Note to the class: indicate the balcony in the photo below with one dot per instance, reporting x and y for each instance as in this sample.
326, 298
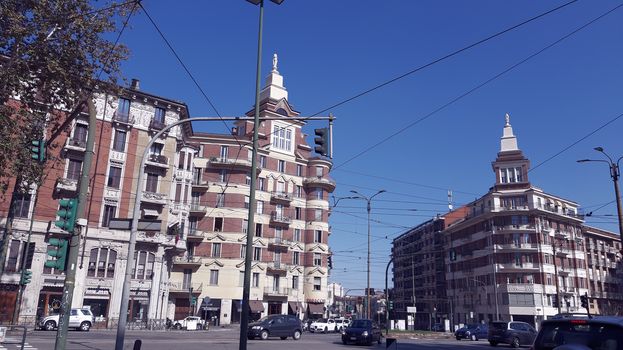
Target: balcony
76, 145
276, 292
194, 235
563, 252
318, 181
517, 246
197, 209
279, 219
123, 119
187, 261
561, 234
281, 197
513, 208
157, 125
154, 198
277, 267
522, 266
158, 160
279, 242
65, 184
185, 287
229, 163
563, 271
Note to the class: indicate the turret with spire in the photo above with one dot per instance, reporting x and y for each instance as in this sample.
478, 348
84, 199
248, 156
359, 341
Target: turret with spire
510, 166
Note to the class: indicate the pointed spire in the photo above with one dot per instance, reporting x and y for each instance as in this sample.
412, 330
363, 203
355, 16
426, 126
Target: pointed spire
509, 140
274, 88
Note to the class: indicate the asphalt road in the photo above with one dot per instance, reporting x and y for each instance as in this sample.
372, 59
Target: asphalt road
225, 339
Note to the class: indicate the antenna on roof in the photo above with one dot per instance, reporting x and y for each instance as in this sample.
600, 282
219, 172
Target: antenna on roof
450, 206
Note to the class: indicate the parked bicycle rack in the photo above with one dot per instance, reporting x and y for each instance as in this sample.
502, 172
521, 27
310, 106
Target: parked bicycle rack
9, 334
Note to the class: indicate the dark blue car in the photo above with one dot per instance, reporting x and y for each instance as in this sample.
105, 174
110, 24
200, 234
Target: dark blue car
472, 331
361, 331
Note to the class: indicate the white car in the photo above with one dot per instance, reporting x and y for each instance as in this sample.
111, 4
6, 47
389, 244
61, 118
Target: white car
323, 325
80, 319
183, 323
341, 323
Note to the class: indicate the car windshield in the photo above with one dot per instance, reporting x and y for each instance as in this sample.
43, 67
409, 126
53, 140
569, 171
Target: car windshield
263, 319
595, 336
360, 324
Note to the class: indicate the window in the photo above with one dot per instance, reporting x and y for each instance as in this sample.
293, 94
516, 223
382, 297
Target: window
159, 115
517, 259
258, 230
123, 110
114, 177
245, 225
281, 166
318, 216
317, 259
181, 160
216, 250
317, 283
261, 183
178, 192
222, 176
297, 234
109, 213
151, 184
255, 281
119, 141
318, 192
224, 152
319, 171
156, 149
511, 175
246, 202
74, 169
144, 265
297, 213
278, 232
318, 236
13, 256
102, 263
299, 170
257, 253
298, 192
189, 161
214, 277
259, 207
241, 279
80, 132
262, 161
296, 258
218, 224
220, 200
295, 282
243, 251
21, 204
282, 138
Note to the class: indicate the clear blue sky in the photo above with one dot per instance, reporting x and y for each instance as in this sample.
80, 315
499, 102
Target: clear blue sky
331, 50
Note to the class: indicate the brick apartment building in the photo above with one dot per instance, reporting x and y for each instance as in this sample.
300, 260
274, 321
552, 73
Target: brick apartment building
504, 252
198, 185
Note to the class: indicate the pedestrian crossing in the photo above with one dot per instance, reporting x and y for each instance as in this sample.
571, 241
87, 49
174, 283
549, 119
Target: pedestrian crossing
11, 343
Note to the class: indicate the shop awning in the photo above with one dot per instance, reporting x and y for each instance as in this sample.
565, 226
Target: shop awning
295, 306
256, 306
315, 309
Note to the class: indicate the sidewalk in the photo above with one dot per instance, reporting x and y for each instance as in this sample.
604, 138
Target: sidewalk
419, 335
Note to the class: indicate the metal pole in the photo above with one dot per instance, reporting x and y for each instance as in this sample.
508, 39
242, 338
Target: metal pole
614, 173
413, 287
368, 284
495, 276
558, 301
74, 243
387, 295
244, 318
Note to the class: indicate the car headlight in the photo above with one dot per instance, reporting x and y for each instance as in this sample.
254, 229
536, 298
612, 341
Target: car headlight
343, 331
256, 327
467, 333
364, 334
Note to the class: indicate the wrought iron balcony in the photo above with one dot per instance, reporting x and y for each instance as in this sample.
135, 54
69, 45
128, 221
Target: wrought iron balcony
123, 118
76, 144
185, 287
276, 292
279, 218
155, 197
277, 267
279, 242
195, 235
157, 124
187, 261
158, 160
280, 196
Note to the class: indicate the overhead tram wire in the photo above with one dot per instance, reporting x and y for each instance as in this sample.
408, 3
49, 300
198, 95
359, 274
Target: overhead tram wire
437, 60
478, 87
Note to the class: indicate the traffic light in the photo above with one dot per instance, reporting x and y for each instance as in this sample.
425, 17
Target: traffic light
584, 301
59, 253
391, 305
67, 214
322, 141
554, 300
330, 262
26, 277
37, 150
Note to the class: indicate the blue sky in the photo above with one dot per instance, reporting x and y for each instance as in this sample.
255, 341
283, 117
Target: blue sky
332, 50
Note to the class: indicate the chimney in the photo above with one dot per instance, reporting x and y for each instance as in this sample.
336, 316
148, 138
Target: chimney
135, 84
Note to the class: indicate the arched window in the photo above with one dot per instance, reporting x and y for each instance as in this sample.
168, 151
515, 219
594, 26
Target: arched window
102, 263
143, 265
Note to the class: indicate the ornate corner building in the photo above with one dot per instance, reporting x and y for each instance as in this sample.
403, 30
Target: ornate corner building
197, 186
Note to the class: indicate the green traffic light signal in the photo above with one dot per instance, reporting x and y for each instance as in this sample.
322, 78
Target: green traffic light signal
37, 150
322, 141
60, 254
67, 214
26, 277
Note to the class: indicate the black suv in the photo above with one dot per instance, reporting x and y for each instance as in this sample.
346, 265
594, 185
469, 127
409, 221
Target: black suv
282, 326
597, 333
514, 333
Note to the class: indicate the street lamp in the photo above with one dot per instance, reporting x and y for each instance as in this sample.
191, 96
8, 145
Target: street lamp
368, 200
244, 318
614, 174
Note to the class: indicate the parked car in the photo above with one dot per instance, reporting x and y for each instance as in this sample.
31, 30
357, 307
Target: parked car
183, 323
80, 319
282, 326
597, 333
513, 333
323, 325
362, 331
472, 331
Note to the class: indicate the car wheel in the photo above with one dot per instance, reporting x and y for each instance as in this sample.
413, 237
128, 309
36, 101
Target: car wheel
297, 335
515, 342
178, 326
264, 335
85, 326
50, 325
493, 343
458, 338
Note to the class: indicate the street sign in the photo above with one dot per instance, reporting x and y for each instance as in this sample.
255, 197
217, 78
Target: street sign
411, 309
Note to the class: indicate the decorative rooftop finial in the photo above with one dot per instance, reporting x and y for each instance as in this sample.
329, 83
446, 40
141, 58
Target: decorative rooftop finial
508, 119
275, 61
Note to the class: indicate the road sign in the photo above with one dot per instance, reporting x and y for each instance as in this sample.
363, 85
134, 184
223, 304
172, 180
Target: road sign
411, 309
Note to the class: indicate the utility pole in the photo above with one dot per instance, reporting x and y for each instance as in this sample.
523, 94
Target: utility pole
74, 244
413, 287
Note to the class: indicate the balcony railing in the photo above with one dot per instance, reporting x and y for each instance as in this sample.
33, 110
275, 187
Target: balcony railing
76, 144
194, 234
319, 181
187, 260
64, 184
279, 218
277, 266
185, 287
229, 162
158, 160
282, 291
280, 196
123, 118
157, 124
155, 197
278, 241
